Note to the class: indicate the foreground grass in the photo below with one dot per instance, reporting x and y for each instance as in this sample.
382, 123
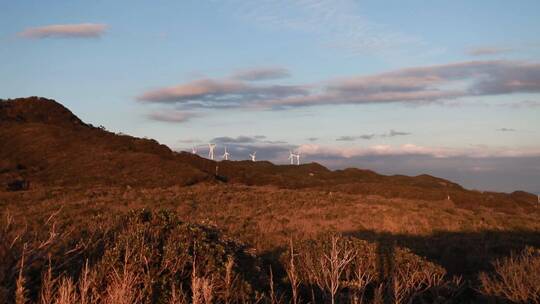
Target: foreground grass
450, 246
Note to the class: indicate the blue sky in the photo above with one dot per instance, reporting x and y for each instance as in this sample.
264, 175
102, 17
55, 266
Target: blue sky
449, 88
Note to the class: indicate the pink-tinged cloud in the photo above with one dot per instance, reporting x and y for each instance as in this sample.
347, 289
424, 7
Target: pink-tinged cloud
193, 90
423, 84
417, 85
412, 149
172, 116
81, 30
216, 93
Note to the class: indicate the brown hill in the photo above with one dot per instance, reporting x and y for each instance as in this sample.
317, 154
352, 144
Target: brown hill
44, 143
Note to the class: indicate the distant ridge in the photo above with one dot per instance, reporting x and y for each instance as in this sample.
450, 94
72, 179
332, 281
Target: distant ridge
45, 143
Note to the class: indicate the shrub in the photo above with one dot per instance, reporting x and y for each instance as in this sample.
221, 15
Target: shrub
143, 257
356, 271
516, 278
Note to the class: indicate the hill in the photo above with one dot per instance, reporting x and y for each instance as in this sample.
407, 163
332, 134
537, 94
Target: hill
44, 143
47, 145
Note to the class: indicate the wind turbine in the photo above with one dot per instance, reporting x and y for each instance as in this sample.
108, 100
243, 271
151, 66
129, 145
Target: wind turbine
211, 148
291, 157
252, 156
297, 155
194, 150
226, 154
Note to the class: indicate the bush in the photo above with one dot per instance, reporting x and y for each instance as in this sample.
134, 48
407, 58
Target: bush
516, 278
144, 257
337, 269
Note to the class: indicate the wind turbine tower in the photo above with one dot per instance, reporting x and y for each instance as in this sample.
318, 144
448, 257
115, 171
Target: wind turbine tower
291, 157
194, 150
211, 148
252, 156
226, 154
297, 155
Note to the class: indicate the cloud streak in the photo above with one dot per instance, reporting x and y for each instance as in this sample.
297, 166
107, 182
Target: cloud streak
417, 85
422, 85
531, 104
81, 30
258, 74
353, 138
242, 139
488, 50
220, 93
412, 149
391, 133
172, 116
234, 140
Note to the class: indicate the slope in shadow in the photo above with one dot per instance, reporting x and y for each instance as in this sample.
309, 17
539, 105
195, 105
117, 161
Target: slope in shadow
460, 253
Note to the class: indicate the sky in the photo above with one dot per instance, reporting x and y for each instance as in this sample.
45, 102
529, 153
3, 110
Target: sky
447, 88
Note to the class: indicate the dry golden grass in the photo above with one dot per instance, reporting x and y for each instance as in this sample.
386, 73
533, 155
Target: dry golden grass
275, 213
460, 241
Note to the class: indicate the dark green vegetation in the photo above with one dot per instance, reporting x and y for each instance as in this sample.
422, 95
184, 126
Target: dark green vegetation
84, 221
